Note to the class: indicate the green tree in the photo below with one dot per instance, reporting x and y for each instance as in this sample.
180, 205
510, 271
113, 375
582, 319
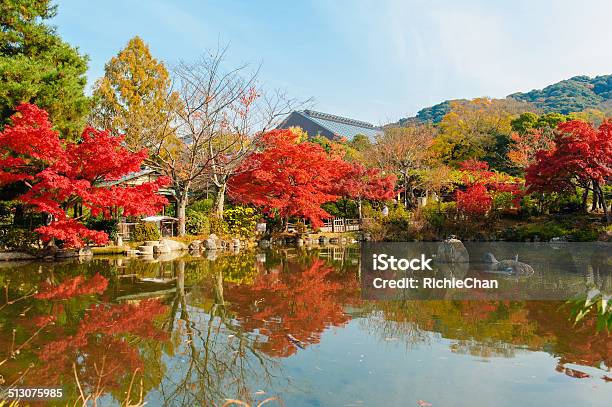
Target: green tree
528, 122
360, 142
36, 66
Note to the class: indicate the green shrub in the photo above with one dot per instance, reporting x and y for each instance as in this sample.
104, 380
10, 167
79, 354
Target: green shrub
146, 231
300, 227
217, 225
586, 234
343, 208
202, 205
502, 201
197, 223
241, 220
529, 207
435, 217
543, 231
108, 226
396, 226
19, 239
7, 211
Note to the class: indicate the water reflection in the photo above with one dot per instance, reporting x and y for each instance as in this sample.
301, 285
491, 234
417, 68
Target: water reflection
195, 331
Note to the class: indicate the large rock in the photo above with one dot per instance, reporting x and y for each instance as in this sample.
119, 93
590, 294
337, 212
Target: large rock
195, 245
11, 256
452, 258
211, 242
85, 252
161, 249
452, 251
173, 245
145, 250
66, 253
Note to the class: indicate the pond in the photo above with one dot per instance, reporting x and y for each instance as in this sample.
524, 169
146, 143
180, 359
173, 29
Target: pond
288, 326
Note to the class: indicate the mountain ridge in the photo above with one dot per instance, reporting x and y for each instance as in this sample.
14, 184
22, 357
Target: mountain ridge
569, 95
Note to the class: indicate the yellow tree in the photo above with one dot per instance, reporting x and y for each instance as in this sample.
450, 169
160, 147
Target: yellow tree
406, 151
135, 98
478, 129
440, 179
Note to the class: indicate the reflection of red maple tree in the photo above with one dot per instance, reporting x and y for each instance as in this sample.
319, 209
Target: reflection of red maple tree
578, 344
100, 346
73, 287
297, 303
100, 342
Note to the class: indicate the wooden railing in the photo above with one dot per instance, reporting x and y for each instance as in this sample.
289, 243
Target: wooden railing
339, 225
125, 230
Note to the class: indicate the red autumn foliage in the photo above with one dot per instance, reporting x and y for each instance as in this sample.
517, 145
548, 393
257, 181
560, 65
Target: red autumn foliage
292, 178
302, 302
295, 178
99, 347
475, 200
580, 155
73, 287
482, 185
527, 145
60, 176
360, 182
575, 344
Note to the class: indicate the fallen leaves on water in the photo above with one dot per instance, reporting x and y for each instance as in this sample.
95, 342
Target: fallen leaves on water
230, 402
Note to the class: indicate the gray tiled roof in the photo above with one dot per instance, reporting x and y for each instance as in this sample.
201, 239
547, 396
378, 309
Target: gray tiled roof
342, 126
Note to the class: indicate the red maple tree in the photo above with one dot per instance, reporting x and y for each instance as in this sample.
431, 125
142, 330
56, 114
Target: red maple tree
295, 178
581, 157
475, 200
61, 176
482, 186
525, 147
289, 177
359, 183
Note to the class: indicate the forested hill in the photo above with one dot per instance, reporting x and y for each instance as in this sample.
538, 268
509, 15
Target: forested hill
571, 95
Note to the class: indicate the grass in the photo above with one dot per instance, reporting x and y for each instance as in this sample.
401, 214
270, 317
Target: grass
106, 250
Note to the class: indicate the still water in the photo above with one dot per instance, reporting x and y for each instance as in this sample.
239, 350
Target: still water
289, 326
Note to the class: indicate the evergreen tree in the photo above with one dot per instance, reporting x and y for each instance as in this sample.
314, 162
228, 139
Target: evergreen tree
36, 66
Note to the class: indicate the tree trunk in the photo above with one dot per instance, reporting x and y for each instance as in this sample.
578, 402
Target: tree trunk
359, 206
602, 200
220, 201
405, 190
585, 196
181, 207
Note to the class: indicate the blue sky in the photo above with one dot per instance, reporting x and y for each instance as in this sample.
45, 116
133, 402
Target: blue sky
369, 60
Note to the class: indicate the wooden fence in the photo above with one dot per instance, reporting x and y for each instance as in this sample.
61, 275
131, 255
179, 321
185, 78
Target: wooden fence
339, 225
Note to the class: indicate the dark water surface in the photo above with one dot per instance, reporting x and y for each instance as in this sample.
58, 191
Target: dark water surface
288, 324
